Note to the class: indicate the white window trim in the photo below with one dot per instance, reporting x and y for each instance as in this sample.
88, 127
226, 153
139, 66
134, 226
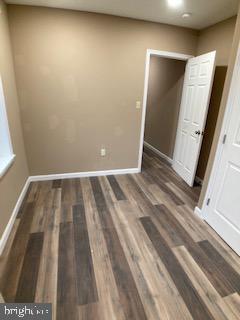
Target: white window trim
7, 159
5, 164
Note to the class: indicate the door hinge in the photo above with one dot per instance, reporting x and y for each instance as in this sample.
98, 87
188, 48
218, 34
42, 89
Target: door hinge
224, 139
208, 201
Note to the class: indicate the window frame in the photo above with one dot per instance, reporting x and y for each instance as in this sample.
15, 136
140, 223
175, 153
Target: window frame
7, 155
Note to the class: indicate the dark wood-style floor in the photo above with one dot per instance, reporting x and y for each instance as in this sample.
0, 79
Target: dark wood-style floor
120, 247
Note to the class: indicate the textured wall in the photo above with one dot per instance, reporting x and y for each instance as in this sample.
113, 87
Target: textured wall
218, 37
164, 97
12, 182
79, 76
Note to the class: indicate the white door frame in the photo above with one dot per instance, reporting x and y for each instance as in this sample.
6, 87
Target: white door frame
163, 54
234, 87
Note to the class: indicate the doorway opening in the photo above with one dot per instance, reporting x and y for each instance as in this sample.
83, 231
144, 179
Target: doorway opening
165, 89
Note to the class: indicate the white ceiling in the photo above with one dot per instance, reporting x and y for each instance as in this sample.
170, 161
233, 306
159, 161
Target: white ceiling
204, 12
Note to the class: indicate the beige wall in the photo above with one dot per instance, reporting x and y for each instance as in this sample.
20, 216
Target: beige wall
231, 64
79, 76
12, 182
163, 104
218, 37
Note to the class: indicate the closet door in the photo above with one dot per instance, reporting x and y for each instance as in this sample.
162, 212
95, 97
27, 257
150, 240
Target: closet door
222, 207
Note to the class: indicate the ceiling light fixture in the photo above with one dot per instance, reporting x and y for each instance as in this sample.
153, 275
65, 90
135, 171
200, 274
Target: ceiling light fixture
186, 15
175, 3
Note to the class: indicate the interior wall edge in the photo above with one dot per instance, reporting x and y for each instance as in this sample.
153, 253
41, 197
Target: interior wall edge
14, 179
8, 228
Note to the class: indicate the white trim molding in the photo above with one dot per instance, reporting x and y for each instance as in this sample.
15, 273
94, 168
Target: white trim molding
5, 164
199, 180
83, 174
164, 54
10, 224
159, 153
198, 212
6, 151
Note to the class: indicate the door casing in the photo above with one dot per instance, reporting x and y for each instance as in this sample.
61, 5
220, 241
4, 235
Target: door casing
163, 54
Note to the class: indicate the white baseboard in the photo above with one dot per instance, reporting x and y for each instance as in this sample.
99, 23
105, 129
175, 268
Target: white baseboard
83, 174
199, 180
198, 212
10, 224
159, 153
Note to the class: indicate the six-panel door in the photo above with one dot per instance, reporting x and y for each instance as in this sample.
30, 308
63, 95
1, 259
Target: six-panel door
193, 111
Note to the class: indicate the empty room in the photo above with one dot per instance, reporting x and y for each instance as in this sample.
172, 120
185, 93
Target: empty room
120, 159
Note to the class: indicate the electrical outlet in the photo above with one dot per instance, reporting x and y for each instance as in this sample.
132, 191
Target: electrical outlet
103, 152
138, 104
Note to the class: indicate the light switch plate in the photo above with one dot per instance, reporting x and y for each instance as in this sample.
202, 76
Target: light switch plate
103, 152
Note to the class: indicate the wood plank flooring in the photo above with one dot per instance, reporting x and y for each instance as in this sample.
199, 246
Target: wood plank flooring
120, 247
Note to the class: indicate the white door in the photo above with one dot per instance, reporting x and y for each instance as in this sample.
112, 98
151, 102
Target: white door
193, 112
222, 206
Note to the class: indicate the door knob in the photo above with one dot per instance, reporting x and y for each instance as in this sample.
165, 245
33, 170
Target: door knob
198, 132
